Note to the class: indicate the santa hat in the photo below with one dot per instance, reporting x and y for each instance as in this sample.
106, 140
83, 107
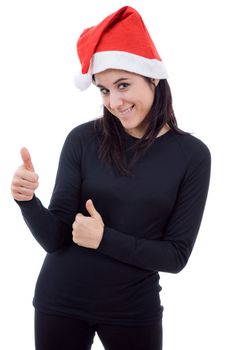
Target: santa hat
120, 41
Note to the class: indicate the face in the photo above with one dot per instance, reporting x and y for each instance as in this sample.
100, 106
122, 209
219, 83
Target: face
128, 96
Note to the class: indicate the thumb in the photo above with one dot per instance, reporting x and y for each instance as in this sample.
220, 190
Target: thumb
27, 162
91, 209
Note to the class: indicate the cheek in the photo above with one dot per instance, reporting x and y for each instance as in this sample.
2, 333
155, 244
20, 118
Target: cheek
105, 102
149, 101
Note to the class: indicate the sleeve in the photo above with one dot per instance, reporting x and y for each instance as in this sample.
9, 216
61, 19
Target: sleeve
172, 251
52, 227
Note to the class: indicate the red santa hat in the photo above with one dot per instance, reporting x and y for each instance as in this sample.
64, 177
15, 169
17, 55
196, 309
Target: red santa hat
120, 41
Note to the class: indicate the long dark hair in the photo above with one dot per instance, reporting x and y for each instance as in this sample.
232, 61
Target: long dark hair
110, 130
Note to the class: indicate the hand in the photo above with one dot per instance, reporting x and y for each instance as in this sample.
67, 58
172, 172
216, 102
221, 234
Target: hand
88, 230
25, 180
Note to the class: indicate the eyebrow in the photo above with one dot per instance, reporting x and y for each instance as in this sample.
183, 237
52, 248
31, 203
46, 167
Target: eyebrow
115, 82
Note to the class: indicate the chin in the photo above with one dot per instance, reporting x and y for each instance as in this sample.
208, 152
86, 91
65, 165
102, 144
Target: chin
129, 124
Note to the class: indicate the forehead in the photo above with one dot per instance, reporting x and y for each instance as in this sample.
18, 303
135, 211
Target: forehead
109, 76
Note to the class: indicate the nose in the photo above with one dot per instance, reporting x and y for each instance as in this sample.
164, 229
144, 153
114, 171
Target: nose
115, 101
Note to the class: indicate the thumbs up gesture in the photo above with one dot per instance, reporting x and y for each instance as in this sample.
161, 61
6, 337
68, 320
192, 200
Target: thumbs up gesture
88, 230
25, 180
26, 158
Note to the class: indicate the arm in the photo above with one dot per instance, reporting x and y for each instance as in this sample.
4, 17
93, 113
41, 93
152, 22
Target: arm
171, 253
52, 227
49, 231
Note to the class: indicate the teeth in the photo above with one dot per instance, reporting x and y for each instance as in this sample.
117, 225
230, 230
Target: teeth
127, 110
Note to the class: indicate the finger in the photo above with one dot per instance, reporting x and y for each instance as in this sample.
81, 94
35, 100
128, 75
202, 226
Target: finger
27, 186
28, 180
20, 196
91, 209
78, 216
27, 175
27, 162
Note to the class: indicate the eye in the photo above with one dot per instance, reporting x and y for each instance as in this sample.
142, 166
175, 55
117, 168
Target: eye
122, 86
103, 91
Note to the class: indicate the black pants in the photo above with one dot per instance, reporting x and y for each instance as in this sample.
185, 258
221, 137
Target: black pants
64, 333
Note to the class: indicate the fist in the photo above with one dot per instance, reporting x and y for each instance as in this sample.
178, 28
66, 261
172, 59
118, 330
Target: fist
88, 230
25, 180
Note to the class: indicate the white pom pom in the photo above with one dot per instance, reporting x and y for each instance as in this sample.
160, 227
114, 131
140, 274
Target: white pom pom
82, 81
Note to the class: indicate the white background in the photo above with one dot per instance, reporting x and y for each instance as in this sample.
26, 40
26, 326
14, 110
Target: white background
39, 105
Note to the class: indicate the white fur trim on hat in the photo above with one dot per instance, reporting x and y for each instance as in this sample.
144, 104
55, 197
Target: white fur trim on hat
147, 67
104, 60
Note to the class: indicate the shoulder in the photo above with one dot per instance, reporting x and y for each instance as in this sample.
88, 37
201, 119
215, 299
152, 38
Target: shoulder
83, 130
191, 146
79, 139
81, 135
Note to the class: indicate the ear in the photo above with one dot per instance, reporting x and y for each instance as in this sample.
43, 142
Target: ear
154, 81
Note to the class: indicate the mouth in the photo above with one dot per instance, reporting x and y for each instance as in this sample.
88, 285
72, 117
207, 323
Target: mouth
127, 110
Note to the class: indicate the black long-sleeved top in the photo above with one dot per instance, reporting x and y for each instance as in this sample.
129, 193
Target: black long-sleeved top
151, 217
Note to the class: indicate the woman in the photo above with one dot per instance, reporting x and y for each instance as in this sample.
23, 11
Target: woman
128, 200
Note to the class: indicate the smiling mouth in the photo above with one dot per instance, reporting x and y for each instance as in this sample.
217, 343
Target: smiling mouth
125, 111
